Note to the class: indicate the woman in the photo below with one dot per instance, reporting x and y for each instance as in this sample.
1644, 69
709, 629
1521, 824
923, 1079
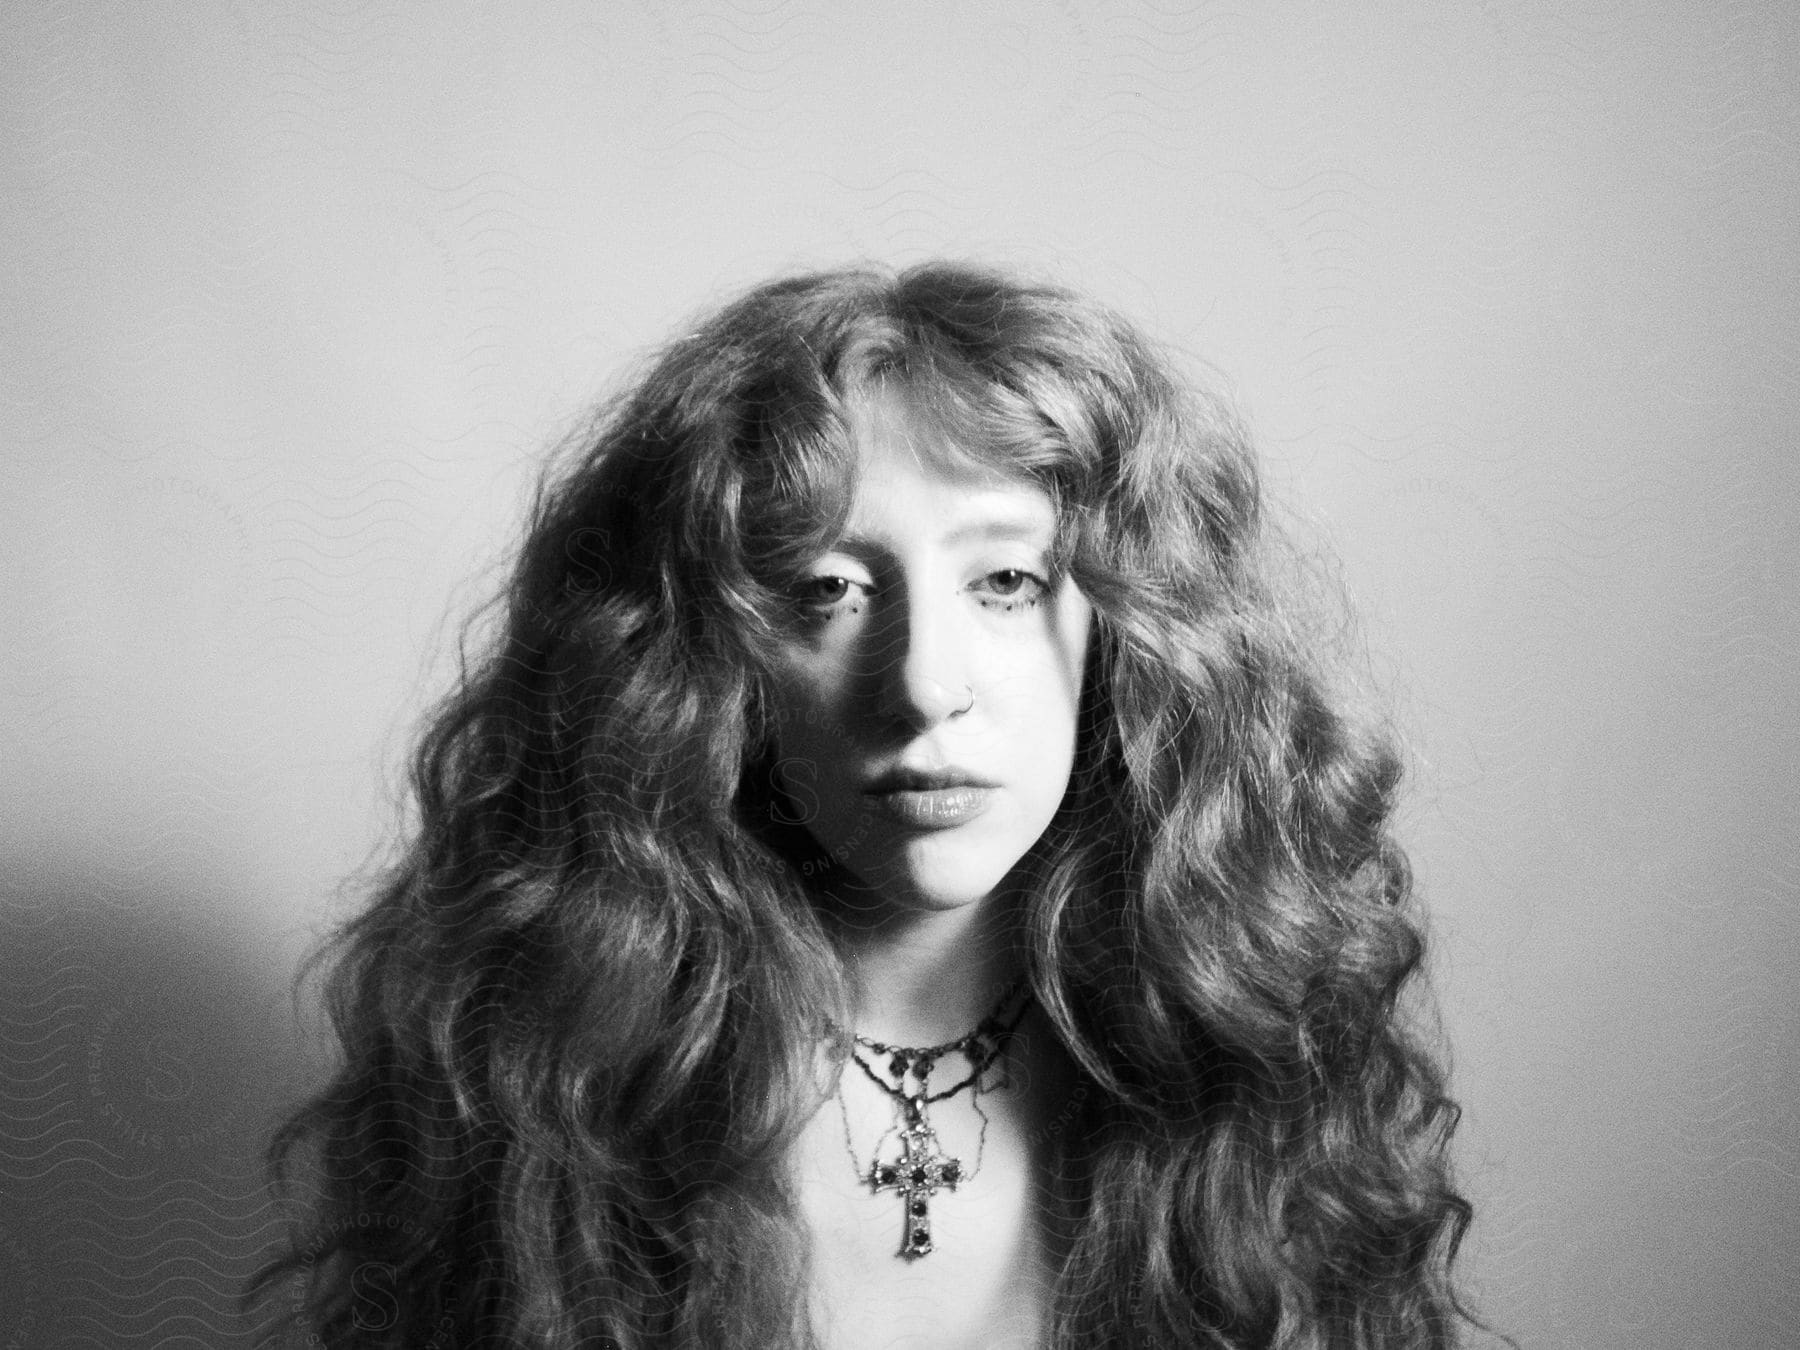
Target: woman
897, 878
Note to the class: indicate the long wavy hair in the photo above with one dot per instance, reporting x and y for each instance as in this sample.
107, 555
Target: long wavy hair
580, 1021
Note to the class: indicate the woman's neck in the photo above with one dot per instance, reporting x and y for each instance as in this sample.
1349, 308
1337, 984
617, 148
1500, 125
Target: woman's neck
923, 977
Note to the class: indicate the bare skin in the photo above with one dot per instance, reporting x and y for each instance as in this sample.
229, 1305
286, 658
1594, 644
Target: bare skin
988, 1281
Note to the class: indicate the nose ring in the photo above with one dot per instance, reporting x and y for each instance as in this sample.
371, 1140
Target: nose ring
970, 704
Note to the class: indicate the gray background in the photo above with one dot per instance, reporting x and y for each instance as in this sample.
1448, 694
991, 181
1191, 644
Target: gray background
294, 295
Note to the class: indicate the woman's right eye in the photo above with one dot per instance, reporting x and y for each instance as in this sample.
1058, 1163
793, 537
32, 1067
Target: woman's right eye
821, 594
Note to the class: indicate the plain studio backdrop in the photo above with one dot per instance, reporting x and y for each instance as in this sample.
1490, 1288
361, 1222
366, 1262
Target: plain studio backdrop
294, 296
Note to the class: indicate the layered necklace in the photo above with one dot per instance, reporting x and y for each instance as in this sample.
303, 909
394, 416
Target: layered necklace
921, 1168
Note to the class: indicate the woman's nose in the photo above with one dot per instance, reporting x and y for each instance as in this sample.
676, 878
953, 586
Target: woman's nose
922, 659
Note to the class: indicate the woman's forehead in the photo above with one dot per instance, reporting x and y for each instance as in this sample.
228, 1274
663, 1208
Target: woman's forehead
1018, 514
892, 430
907, 461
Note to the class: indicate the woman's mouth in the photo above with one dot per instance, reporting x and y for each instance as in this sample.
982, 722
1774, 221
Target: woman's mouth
930, 799
933, 808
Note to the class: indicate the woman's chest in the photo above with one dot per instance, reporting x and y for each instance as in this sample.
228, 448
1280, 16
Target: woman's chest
985, 1282
977, 1190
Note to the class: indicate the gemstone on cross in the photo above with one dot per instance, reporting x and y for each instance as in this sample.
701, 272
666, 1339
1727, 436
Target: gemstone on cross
921, 1170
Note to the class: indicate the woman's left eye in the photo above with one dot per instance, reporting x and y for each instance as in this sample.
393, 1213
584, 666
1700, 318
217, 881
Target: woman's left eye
1013, 585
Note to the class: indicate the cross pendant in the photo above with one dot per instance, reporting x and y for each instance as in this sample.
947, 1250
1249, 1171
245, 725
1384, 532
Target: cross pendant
921, 1170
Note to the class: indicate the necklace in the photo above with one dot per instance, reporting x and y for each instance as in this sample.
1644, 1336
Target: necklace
922, 1168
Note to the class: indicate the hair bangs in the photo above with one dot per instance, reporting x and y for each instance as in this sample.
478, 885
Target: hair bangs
984, 428
797, 475
796, 461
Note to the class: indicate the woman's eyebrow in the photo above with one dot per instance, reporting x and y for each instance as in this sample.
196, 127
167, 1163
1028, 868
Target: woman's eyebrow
1029, 529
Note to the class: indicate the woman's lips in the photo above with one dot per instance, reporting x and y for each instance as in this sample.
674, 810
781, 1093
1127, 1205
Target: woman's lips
938, 808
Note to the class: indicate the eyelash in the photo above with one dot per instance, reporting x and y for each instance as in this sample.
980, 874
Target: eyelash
1033, 590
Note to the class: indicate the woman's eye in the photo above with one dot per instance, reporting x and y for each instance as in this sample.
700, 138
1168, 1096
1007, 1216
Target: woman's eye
822, 593
1014, 584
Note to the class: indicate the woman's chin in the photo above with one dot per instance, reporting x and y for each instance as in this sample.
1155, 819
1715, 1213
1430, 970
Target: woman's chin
929, 884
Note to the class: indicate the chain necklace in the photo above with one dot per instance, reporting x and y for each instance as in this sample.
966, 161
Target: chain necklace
922, 1167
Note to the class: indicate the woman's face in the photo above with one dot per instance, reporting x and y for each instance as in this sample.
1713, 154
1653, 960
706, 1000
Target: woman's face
927, 695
